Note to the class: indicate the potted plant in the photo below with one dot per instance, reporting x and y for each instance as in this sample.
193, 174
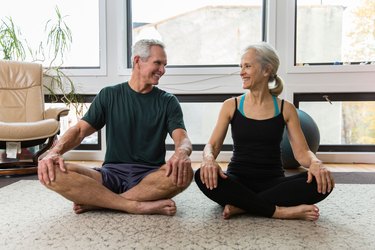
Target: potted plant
58, 39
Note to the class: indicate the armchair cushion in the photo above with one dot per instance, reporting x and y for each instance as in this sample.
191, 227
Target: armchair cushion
27, 131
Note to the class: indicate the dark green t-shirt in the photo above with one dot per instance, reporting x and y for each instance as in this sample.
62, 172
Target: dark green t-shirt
136, 124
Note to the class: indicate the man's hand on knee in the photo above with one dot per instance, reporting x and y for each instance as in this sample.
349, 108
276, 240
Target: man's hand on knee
46, 168
179, 168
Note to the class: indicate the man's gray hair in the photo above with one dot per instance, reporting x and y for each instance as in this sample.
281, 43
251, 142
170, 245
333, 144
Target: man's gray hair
142, 48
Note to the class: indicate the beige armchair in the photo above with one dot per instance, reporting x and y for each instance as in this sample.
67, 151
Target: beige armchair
27, 130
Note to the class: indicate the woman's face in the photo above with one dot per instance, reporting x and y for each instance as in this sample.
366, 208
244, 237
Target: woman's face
252, 73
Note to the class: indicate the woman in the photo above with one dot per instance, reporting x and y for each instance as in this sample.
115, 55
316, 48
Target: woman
255, 182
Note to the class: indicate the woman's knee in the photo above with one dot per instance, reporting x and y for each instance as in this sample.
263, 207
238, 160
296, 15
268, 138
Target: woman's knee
197, 177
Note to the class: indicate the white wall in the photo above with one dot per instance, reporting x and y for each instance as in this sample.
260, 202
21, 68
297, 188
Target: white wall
333, 79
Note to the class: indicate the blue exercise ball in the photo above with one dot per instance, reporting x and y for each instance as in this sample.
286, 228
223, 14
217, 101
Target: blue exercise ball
310, 130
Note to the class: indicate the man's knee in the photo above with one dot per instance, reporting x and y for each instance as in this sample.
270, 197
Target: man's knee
189, 177
63, 179
179, 185
57, 183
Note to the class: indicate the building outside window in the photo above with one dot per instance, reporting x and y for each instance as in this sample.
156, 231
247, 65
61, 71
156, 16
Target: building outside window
196, 32
335, 32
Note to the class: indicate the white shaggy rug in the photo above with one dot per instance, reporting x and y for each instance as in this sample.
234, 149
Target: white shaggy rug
32, 217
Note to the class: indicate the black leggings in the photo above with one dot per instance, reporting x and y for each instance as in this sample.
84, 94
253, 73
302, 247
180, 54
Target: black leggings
262, 197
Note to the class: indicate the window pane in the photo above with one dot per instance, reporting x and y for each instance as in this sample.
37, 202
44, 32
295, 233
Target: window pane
343, 122
198, 32
200, 120
82, 17
71, 119
335, 32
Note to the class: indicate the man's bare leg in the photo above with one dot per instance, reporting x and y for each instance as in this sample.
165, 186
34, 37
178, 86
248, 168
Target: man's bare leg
81, 208
156, 186
82, 189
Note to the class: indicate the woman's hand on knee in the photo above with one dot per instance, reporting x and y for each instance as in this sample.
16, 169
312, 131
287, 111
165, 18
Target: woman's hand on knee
209, 172
324, 179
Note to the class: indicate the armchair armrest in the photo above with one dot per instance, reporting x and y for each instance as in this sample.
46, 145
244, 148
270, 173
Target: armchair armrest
55, 113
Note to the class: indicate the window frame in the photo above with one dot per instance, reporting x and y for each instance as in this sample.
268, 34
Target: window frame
203, 98
101, 70
87, 99
291, 49
337, 96
268, 30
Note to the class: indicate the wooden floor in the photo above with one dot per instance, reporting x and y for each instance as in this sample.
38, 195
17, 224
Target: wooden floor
333, 167
342, 167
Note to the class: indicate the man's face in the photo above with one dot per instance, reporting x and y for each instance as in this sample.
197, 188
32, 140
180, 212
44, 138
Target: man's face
152, 68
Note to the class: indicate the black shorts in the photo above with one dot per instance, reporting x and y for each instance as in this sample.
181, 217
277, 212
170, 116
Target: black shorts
121, 177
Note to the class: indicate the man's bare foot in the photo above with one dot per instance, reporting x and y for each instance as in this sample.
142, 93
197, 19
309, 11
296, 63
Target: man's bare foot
302, 212
164, 207
79, 208
230, 210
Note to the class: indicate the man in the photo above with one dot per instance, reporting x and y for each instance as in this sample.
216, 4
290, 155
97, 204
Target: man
134, 177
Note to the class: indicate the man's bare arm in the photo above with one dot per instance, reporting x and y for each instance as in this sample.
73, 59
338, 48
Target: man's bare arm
71, 139
179, 165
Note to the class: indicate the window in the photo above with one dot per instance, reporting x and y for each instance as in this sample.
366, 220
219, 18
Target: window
196, 32
92, 142
200, 116
346, 121
336, 32
82, 17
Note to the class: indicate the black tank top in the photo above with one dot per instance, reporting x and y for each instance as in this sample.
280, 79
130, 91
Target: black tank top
256, 145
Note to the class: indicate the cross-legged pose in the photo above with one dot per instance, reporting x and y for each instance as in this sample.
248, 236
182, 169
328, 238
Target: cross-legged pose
138, 116
255, 182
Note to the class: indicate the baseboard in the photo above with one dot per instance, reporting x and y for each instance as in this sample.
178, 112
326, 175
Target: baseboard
333, 157
347, 157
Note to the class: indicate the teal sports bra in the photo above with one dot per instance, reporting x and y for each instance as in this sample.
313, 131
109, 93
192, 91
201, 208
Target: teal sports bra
242, 101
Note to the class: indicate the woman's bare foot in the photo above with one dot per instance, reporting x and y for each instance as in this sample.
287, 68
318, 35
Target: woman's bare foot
164, 207
79, 208
302, 212
230, 210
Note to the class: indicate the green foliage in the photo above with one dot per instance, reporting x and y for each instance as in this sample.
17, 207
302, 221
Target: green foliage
359, 122
363, 32
59, 36
10, 43
61, 88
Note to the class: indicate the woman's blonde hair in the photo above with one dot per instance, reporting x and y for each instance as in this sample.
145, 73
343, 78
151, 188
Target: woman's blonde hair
267, 57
